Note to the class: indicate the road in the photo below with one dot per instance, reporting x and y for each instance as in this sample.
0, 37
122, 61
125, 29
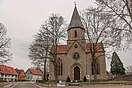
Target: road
24, 85
32, 85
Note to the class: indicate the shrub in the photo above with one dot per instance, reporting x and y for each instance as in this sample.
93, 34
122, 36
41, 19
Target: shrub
84, 79
41, 81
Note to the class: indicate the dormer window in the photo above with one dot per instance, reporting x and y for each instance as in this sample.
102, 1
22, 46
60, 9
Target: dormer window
75, 33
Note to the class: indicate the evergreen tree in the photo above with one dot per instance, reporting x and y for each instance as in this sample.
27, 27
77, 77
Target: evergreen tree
117, 67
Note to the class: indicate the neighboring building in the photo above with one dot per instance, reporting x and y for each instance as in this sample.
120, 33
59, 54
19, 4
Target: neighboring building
34, 74
7, 73
21, 74
74, 59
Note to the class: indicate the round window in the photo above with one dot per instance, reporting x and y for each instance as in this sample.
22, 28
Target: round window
76, 56
75, 46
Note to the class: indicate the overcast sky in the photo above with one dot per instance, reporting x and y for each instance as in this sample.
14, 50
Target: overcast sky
23, 19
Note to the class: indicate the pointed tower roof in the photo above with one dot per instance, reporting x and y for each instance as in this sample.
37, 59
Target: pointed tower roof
75, 20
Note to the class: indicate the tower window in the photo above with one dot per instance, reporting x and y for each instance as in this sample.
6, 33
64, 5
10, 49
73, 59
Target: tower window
75, 33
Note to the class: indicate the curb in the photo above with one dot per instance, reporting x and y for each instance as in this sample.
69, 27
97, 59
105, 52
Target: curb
37, 86
9, 85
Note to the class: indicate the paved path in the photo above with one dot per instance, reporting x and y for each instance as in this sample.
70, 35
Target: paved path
23, 85
106, 86
33, 85
97, 86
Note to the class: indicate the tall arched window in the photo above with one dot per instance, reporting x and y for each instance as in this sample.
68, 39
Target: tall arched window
96, 68
75, 33
59, 67
92, 66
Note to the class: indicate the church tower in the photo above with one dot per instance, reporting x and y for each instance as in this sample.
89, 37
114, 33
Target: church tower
76, 31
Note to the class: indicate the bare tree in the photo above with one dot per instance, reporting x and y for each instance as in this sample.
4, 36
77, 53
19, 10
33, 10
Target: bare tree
98, 30
38, 54
57, 30
45, 45
39, 50
4, 45
122, 14
129, 69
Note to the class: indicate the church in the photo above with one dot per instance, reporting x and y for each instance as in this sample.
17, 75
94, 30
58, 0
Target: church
74, 59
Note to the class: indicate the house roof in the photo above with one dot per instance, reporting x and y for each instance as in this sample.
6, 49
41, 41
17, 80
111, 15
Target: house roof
20, 71
75, 20
62, 49
99, 47
21, 74
7, 70
36, 71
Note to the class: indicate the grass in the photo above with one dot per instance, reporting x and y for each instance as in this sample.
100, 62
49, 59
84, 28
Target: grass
109, 82
53, 83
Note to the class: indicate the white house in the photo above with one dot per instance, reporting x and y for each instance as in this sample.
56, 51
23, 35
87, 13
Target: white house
7, 73
34, 74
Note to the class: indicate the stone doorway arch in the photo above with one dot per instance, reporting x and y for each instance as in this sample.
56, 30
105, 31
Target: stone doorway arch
76, 73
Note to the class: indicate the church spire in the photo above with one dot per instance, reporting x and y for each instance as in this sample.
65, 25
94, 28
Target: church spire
75, 20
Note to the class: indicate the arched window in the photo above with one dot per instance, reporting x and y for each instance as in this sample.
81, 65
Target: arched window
59, 67
95, 68
75, 34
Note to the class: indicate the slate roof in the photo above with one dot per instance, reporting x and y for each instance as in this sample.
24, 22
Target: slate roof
75, 20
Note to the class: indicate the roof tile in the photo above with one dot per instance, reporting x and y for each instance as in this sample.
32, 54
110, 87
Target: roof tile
36, 71
7, 70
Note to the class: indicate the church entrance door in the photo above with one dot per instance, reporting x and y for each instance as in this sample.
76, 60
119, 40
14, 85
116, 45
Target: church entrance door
76, 73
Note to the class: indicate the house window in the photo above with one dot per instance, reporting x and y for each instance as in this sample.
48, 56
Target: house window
75, 33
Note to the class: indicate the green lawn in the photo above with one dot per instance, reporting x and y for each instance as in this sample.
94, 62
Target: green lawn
109, 82
45, 84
